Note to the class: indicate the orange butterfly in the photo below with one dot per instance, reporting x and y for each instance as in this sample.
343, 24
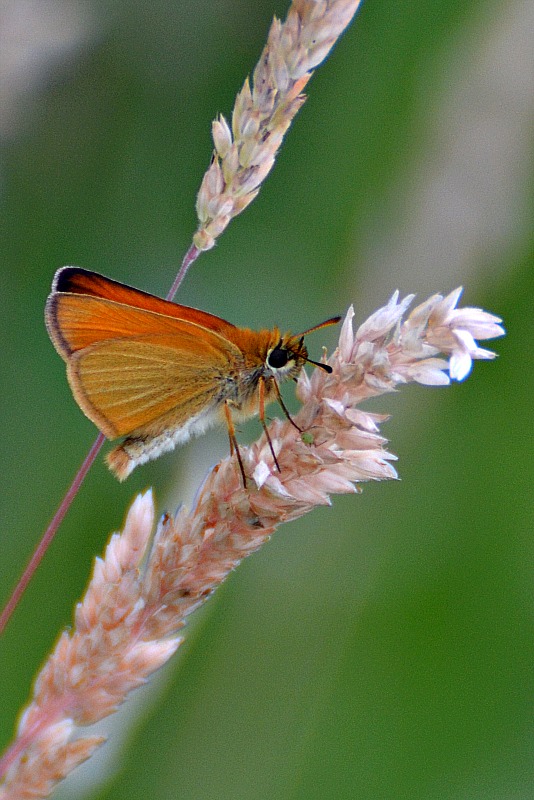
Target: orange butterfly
158, 372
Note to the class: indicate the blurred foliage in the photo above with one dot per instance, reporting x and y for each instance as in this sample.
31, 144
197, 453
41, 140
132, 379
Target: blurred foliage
382, 648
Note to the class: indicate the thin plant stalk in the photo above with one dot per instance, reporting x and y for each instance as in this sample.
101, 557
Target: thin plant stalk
50, 532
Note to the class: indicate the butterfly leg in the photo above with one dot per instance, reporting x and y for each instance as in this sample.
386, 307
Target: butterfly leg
234, 447
261, 404
284, 408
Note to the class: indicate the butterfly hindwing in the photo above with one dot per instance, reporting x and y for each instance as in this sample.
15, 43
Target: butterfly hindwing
124, 385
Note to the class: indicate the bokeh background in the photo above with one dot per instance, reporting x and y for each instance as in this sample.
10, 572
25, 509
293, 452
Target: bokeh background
381, 648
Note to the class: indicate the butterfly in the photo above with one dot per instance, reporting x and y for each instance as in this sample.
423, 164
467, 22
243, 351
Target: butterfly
156, 372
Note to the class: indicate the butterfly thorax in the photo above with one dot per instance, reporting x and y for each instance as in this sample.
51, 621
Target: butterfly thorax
268, 356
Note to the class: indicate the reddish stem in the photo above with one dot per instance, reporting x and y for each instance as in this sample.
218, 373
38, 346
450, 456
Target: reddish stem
191, 255
48, 536
50, 532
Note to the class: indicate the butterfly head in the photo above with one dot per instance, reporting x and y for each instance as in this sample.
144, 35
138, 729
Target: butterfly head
287, 357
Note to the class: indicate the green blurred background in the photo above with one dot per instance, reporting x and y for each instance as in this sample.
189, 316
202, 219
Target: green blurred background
381, 648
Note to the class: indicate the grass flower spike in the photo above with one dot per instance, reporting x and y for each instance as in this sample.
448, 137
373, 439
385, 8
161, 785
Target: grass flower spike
244, 154
143, 589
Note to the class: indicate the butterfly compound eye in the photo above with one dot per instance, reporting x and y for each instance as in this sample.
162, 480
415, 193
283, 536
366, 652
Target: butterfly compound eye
277, 358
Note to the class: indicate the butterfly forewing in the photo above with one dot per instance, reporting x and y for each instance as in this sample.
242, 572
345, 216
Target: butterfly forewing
77, 321
71, 282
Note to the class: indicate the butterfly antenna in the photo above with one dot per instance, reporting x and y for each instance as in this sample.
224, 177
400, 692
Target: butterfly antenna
325, 367
325, 324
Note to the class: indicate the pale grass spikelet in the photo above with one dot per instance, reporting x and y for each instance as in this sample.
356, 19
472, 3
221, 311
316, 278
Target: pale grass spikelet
49, 758
144, 588
245, 152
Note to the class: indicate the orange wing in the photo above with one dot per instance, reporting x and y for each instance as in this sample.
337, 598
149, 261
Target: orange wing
75, 321
128, 365
124, 385
73, 280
